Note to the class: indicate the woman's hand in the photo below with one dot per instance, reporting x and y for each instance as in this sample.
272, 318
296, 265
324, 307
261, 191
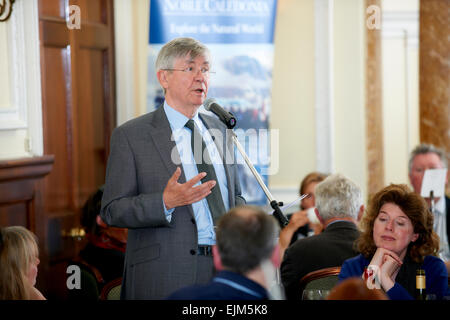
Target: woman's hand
388, 264
388, 272
378, 257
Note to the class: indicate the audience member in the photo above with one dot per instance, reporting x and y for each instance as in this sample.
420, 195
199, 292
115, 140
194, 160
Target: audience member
300, 225
423, 157
19, 259
339, 206
246, 257
355, 289
106, 245
398, 239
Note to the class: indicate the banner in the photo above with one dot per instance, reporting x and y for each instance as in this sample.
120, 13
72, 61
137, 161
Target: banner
239, 34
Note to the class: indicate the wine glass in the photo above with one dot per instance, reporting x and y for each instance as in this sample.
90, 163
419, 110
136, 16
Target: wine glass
315, 294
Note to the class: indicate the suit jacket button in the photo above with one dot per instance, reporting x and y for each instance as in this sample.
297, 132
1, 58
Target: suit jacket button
193, 220
192, 252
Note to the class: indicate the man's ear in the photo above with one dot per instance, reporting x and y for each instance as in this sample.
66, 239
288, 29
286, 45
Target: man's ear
319, 217
216, 258
162, 78
360, 213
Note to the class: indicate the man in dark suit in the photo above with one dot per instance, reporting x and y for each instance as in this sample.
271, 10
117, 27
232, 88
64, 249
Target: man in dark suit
423, 157
247, 255
339, 206
159, 186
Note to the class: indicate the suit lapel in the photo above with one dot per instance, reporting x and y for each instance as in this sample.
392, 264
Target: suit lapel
162, 138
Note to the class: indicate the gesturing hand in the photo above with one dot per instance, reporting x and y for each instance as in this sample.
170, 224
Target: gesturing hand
179, 194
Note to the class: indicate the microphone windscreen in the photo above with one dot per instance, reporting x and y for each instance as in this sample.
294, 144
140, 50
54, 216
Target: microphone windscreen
208, 102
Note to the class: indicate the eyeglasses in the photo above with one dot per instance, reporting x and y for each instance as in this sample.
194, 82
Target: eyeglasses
193, 71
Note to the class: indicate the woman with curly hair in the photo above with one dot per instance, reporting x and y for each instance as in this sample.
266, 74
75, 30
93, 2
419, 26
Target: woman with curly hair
18, 264
397, 239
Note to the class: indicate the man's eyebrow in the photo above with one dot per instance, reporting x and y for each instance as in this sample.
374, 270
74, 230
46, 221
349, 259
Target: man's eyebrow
189, 61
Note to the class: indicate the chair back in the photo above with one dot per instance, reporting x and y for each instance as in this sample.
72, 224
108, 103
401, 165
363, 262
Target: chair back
111, 290
323, 280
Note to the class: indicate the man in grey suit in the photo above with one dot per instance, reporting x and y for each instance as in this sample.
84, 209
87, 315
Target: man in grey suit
158, 188
339, 206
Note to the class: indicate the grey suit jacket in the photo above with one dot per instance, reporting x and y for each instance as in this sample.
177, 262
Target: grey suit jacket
159, 257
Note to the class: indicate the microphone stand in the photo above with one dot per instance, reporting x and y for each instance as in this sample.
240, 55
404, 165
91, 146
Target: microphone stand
282, 220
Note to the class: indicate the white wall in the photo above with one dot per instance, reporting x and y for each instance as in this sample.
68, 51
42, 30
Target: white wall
293, 93
131, 36
350, 64
400, 86
293, 97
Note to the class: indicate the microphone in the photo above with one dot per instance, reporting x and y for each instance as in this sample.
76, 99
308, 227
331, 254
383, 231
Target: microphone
226, 117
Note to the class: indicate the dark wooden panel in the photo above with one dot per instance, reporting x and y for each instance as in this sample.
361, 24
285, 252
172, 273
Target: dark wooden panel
53, 8
95, 37
20, 191
54, 33
57, 129
13, 214
78, 97
90, 127
92, 11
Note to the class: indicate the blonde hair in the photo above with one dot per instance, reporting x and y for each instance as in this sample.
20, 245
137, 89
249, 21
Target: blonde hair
18, 249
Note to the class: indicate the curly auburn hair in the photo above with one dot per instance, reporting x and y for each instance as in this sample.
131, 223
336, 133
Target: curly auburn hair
415, 208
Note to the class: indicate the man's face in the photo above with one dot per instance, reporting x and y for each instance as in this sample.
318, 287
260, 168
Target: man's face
187, 85
421, 163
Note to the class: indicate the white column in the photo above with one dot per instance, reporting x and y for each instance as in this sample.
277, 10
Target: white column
124, 52
324, 86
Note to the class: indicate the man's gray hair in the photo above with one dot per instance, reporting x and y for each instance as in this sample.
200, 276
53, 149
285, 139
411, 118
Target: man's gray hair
178, 48
425, 148
338, 196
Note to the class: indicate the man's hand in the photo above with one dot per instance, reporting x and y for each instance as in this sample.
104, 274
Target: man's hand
179, 194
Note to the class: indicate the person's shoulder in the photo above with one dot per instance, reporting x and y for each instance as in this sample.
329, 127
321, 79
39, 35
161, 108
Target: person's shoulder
307, 244
138, 121
432, 261
35, 294
354, 260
